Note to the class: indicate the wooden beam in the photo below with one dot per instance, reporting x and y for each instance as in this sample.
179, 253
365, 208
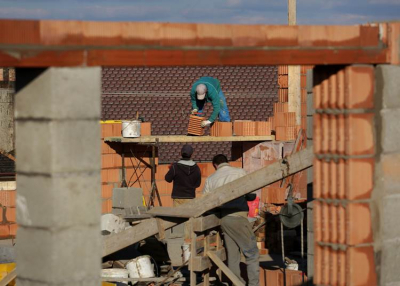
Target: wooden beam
187, 139
80, 43
234, 279
204, 223
201, 263
294, 77
9, 277
254, 181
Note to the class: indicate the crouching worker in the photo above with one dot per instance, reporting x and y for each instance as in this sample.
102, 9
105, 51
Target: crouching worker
237, 231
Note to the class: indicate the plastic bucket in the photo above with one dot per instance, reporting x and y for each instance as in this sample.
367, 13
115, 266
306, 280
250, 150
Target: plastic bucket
131, 128
140, 267
185, 252
115, 273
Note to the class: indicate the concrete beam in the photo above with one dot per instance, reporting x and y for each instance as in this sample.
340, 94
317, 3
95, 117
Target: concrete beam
58, 178
79, 43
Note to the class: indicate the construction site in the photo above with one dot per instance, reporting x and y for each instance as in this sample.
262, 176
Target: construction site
94, 117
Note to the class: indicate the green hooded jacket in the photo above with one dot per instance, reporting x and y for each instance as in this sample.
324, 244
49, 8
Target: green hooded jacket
212, 95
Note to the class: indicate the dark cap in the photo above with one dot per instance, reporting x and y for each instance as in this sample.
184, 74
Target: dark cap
187, 151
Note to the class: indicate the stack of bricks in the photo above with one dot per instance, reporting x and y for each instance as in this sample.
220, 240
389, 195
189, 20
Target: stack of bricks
194, 127
343, 175
251, 128
284, 122
221, 129
8, 226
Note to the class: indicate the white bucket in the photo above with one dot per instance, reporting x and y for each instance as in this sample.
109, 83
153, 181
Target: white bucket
131, 128
140, 267
115, 273
185, 252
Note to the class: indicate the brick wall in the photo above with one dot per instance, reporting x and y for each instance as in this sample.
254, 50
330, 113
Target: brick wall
343, 175
8, 193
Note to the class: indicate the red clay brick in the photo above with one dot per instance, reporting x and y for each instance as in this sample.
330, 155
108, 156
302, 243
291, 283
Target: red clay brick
263, 128
106, 206
166, 201
359, 174
358, 224
340, 89
221, 129
341, 133
303, 95
333, 181
317, 213
280, 133
333, 134
325, 222
283, 95
359, 82
342, 268
106, 130
318, 264
359, 134
325, 178
106, 191
317, 92
194, 127
281, 107
325, 133
283, 69
326, 257
341, 179
11, 214
283, 81
289, 118
4, 230
280, 119
360, 266
303, 81
8, 198
145, 129
317, 134
332, 86
333, 267
317, 178
13, 229
341, 219
333, 224
325, 90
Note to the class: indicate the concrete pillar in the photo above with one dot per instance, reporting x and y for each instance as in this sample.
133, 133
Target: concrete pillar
6, 115
386, 194
58, 177
310, 215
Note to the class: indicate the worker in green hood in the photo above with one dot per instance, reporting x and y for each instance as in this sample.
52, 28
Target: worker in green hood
208, 89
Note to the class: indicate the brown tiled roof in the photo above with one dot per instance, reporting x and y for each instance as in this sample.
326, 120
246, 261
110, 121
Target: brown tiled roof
6, 165
161, 96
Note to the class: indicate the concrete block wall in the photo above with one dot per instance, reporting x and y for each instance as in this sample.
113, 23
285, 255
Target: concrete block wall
344, 144
386, 192
58, 176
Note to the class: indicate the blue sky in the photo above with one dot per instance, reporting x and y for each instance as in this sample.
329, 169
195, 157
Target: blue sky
205, 11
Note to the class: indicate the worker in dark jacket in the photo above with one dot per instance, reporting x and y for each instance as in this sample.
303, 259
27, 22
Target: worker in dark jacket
208, 89
238, 234
186, 177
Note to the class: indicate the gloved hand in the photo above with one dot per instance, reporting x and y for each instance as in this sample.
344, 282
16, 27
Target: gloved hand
194, 111
205, 123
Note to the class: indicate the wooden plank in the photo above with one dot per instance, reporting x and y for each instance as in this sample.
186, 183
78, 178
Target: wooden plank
154, 279
169, 212
187, 139
118, 241
244, 185
203, 223
235, 280
254, 181
9, 277
201, 263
